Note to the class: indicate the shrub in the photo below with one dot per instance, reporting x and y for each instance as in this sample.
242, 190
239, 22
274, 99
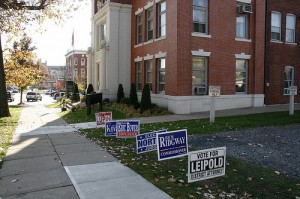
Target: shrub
75, 95
90, 89
106, 101
120, 94
125, 100
133, 97
146, 99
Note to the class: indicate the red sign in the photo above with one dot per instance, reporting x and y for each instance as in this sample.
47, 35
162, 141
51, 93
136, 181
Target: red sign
103, 117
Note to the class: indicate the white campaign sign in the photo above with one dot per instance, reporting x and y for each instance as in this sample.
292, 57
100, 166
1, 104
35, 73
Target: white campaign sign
206, 164
214, 91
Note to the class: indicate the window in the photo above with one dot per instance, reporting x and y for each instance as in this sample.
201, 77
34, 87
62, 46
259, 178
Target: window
290, 28
199, 78
75, 72
276, 26
200, 16
138, 69
161, 68
75, 61
242, 26
241, 76
82, 72
288, 78
82, 61
139, 27
102, 32
161, 29
149, 24
149, 73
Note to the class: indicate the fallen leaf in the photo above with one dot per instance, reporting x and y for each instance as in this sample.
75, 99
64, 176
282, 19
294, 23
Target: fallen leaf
234, 170
15, 180
277, 172
249, 178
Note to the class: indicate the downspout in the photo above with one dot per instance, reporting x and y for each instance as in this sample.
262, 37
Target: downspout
266, 51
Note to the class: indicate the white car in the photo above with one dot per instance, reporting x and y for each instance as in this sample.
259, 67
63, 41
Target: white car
33, 96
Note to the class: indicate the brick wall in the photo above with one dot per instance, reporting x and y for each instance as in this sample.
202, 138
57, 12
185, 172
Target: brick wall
279, 55
179, 43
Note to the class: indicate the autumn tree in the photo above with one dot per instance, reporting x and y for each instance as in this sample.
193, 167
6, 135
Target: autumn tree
21, 65
16, 15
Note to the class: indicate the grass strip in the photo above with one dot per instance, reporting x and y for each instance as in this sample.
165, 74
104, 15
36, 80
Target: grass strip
7, 127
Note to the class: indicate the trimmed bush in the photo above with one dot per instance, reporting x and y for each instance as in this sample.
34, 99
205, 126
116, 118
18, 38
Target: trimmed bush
90, 89
120, 94
75, 95
146, 99
106, 101
133, 97
125, 100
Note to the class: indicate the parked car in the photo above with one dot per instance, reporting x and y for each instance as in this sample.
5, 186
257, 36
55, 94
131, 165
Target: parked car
33, 96
58, 95
10, 96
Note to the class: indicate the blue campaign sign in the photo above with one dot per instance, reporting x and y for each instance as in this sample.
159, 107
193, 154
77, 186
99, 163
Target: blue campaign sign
172, 144
128, 128
147, 142
111, 128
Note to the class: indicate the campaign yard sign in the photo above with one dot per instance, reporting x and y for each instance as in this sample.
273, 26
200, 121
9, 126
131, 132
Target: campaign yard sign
103, 117
111, 128
128, 128
172, 144
206, 164
147, 142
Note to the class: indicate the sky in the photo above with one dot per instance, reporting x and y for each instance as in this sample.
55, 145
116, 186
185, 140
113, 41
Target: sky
53, 44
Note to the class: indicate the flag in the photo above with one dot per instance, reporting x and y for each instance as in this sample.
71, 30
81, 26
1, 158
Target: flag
73, 39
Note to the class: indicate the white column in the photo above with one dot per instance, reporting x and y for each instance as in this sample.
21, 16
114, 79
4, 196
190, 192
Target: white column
103, 66
89, 66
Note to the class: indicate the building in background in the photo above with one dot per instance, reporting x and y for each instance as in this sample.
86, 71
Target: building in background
56, 77
282, 50
76, 66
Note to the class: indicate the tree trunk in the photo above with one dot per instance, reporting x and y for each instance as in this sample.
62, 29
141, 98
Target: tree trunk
21, 93
4, 110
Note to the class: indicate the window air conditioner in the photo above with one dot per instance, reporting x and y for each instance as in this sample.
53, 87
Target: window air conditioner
244, 9
199, 90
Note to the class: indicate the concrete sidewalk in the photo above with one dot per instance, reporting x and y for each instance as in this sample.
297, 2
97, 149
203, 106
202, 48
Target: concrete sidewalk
49, 159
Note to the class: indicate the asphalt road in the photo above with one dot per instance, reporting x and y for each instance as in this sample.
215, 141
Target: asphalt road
46, 99
275, 147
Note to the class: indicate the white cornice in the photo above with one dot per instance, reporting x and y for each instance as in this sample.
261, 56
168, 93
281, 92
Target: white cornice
242, 56
160, 55
201, 53
149, 4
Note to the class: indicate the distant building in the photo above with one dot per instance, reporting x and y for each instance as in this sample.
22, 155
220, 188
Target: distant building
56, 76
282, 50
76, 65
180, 48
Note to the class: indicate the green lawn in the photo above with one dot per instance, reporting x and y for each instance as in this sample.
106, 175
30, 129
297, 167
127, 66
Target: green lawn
242, 179
7, 126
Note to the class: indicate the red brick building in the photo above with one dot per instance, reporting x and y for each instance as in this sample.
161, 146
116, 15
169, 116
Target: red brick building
181, 47
282, 50
76, 65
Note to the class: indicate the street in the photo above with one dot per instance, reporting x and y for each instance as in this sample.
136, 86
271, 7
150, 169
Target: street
46, 99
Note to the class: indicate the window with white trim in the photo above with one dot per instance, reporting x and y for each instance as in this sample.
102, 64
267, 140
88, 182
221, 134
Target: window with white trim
139, 29
82, 61
289, 77
200, 10
241, 77
138, 81
75, 61
161, 25
149, 27
82, 72
276, 26
290, 28
75, 72
242, 26
161, 77
199, 75
148, 70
